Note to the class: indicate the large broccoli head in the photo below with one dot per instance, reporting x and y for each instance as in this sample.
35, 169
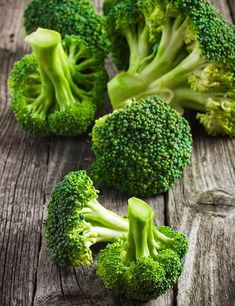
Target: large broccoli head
133, 265
68, 17
183, 50
59, 87
76, 221
142, 148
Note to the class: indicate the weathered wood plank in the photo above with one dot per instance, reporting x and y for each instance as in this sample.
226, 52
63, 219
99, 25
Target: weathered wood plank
203, 206
224, 8
23, 165
11, 30
231, 4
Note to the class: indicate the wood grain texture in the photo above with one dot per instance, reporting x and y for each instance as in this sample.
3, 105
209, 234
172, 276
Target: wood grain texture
231, 5
202, 205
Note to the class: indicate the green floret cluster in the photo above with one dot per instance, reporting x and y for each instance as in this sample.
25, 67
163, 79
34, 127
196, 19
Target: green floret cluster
140, 265
142, 148
182, 50
76, 220
68, 17
59, 87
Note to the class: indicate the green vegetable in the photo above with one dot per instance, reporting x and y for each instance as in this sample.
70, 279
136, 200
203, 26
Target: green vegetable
59, 87
182, 50
137, 265
68, 17
142, 148
76, 221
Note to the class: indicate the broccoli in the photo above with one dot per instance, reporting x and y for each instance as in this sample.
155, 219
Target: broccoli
59, 87
137, 265
183, 50
68, 17
142, 148
76, 221
108, 4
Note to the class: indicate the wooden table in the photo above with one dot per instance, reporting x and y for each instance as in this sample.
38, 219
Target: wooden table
202, 205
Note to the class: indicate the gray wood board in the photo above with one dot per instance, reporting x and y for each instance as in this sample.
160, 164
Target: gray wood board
201, 205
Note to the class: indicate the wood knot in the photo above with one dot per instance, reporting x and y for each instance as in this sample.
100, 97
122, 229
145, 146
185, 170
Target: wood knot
216, 197
216, 201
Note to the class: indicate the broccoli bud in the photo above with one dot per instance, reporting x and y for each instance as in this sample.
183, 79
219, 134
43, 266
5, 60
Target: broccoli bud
133, 265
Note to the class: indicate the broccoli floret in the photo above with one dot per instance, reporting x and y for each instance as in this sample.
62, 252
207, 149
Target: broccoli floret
59, 87
142, 148
76, 221
133, 265
108, 4
167, 238
183, 50
68, 17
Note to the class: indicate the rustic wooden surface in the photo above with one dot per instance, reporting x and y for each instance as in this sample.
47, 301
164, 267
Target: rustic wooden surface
202, 205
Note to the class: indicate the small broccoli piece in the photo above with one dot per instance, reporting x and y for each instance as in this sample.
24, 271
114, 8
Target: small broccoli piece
142, 148
68, 17
167, 238
59, 87
182, 50
76, 221
133, 265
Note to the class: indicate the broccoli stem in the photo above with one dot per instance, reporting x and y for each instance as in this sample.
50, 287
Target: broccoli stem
53, 66
140, 216
172, 40
187, 98
94, 211
125, 86
103, 234
138, 42
161, 240
179, 74
198, 101
162, 72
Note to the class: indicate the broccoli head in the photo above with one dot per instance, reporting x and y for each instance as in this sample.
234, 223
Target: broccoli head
183, 50
68, 17
134, 264
76, 221
59, 87
141, 148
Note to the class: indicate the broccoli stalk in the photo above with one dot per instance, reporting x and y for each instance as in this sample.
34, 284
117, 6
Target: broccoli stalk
76, 221
96, 214
53, 69
140, 239
152, 81
145, 239
176, 50
99, 225
135, 265
156, 75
